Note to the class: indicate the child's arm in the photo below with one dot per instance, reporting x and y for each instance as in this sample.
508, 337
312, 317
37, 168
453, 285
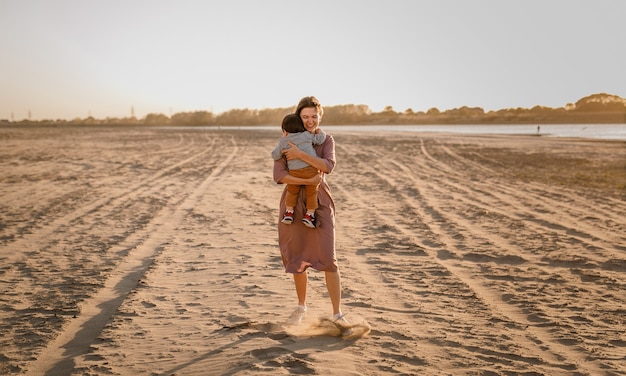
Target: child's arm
319, 136
277, 153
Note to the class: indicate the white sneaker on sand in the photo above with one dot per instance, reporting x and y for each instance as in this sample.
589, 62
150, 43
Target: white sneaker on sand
296, 316
343, 324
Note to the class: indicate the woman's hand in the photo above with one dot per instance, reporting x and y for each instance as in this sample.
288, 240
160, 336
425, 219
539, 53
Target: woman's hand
293, 152
315, 180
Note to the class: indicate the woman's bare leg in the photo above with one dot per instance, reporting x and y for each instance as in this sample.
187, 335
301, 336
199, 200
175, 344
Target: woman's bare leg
301, 281
333, 284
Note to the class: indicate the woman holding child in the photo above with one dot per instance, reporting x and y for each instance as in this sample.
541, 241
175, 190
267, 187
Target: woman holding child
302, 247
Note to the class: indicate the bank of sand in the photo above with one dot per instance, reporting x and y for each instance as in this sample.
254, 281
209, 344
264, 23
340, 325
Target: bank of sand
136, 251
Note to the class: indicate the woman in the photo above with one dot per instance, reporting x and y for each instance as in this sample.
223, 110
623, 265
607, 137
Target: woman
302, 247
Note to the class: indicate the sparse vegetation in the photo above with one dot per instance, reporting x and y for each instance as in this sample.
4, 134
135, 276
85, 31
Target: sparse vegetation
596, 108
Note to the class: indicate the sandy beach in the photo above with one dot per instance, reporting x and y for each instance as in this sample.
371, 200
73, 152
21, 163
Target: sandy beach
153, 251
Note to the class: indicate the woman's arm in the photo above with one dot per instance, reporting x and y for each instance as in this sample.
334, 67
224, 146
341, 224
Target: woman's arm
289, 179
325, 164
281, 175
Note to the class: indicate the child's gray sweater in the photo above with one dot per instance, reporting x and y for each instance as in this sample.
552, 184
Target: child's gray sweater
304, 141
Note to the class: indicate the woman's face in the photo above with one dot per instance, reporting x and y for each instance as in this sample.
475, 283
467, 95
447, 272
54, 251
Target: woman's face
310, 118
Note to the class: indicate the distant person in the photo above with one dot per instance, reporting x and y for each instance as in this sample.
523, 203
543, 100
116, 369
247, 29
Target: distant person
295, 133
300, 248
538, 129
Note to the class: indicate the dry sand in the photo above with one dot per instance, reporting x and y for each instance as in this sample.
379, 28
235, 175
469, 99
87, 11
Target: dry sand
143, 251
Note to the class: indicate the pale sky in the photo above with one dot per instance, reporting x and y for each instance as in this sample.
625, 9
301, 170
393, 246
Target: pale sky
65, 59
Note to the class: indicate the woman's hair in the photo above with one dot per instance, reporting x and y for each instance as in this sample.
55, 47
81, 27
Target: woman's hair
310, 102
293, 124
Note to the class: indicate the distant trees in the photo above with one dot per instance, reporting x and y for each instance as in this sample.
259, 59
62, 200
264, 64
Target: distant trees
596, 108
601, 108
601, 103
433, 111
193, 118
156, 119
347, 114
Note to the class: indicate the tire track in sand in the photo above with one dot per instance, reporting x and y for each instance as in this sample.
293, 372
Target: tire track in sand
32, 239
535, 201
89, 236
513, 206
590, 252
535, 341
73, 238
76, 338
558, 323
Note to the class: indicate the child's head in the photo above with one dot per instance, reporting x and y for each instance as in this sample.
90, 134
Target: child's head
293, 124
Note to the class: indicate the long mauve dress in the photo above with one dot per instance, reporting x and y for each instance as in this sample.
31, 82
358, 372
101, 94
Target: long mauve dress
302, 247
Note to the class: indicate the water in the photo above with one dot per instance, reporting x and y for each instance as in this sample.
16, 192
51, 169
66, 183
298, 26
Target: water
593, 131
596, 131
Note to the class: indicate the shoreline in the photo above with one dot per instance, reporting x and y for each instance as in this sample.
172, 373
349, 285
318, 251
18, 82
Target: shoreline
608, 132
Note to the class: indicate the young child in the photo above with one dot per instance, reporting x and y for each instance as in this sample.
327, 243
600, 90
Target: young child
294, 132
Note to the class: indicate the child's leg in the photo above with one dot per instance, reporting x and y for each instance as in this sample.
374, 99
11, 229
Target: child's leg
311, 204
311, 198
290, 202
290, 196
310, 190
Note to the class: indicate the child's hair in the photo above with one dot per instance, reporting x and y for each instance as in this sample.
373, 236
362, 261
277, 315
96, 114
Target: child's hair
293, 124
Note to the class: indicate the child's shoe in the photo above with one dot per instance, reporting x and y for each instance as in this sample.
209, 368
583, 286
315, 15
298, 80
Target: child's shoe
287, 217
309, 220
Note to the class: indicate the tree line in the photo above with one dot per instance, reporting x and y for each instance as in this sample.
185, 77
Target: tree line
596, 108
